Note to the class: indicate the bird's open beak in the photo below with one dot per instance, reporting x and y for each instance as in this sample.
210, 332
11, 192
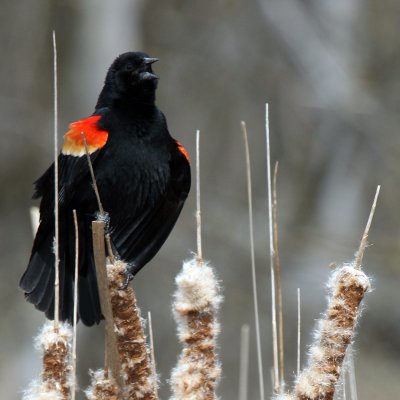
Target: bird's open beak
148, 76
149, 60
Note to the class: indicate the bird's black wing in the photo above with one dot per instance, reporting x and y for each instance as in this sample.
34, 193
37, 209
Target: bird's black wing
75, 192
139, 237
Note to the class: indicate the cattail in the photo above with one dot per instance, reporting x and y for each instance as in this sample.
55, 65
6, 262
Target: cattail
102, 387
197, 300
139, 381
284, 396
56, 379
334, 333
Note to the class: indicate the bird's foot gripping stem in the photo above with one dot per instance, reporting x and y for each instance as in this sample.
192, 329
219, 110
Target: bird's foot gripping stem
104, 217
128, 276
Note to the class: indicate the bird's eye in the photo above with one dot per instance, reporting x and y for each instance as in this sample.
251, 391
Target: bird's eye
129, 67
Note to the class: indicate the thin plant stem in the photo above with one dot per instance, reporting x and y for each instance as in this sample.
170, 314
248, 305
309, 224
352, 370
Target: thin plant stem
73, 373
99, 204
244, 362
198, 209
94, 182
364, 239
298, 331
271, 251
352, 377
253, 263
152, 355
277, 265
56, 208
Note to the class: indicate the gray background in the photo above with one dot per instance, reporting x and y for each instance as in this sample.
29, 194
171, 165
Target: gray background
330, 72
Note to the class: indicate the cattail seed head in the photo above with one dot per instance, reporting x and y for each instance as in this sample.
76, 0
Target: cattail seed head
196, 303
334, 333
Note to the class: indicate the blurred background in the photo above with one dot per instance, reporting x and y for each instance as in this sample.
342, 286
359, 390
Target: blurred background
330, 73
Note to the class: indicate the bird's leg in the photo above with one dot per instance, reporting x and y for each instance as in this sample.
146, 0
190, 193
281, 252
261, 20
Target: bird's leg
128, 276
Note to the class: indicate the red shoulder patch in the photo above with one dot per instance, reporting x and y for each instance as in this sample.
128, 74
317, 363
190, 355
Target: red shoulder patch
95, 137
183, 151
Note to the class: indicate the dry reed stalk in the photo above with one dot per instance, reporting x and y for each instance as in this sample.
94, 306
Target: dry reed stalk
276, 381
152, 354
253, 262
136, 369
352, 376
277, 267
102, 387
56, 378
244, 362
197, 300
298, 332
56, 194
75, 318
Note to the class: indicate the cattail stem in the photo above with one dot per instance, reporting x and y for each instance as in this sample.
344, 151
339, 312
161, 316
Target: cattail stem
253, 262
198, 209
271, 255
111, 351
277, 266
364, 239
244, 362
152, 354
75, 318
298, 332
56, 208
102, 214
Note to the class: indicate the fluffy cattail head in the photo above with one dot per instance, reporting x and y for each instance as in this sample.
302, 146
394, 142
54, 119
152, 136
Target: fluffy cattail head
196, 302
334, 333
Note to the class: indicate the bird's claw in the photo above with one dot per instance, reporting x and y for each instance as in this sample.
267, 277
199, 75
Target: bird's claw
128, 276
104, 217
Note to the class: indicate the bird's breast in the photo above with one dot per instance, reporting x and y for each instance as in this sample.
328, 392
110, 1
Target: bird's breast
135, 171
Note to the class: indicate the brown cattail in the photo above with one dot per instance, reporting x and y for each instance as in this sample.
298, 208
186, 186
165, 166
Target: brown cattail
197, 300
334, 333
102, 387
139, 382
56, 379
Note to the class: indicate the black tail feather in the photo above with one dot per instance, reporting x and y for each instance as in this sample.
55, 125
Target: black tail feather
38, 279
48, 293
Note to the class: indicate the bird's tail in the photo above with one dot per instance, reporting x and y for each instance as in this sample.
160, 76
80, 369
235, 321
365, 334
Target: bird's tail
39, 278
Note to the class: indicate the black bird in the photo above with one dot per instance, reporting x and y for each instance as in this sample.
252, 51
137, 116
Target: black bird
143, 176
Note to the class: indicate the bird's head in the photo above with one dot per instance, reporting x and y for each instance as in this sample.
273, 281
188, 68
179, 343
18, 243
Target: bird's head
131, 74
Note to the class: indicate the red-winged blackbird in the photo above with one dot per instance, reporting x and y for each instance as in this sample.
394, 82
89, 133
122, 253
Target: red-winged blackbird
143, 176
